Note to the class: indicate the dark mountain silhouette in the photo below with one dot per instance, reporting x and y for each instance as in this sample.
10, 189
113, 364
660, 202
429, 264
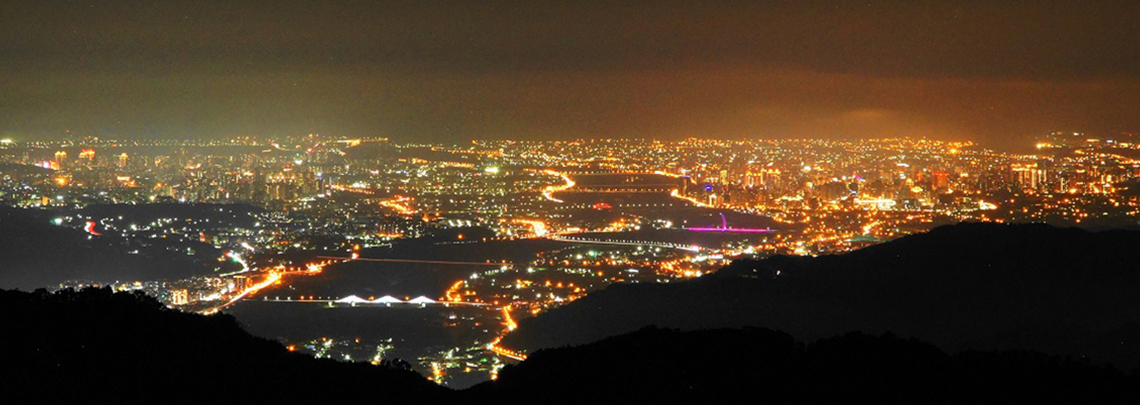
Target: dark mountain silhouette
762, 366
966, 286
221, 217
21, 170
102, 347
34, 253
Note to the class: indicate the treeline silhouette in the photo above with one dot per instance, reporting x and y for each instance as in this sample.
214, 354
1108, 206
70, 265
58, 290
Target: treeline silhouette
959, 287
755, 365
97, 346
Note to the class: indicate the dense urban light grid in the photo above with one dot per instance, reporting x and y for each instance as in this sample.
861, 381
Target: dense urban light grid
415, 185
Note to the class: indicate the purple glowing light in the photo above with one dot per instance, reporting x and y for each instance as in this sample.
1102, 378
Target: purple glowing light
724, 228
743, 230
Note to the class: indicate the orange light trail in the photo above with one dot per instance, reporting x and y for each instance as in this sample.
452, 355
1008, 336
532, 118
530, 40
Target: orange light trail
351, 189
667, 174
549, 191
677, 194
537, 226
272, 278
399, 204
502, 351
511, 325
452, 294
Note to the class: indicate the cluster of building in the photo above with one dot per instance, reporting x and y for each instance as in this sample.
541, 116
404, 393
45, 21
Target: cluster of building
269, 208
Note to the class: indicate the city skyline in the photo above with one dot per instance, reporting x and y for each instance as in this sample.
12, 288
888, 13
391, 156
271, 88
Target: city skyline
498, 232
570, 202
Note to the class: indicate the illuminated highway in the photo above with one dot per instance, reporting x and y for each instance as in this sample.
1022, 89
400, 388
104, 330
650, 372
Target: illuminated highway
677, 194
272, 278
549, 191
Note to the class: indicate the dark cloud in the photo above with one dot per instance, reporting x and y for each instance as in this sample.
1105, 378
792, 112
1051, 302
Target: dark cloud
455, 70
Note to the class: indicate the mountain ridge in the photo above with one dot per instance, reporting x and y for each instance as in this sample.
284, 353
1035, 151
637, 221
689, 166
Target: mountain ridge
966, 286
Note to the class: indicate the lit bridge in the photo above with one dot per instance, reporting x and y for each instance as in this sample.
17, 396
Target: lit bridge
387, 301
624, 189
724, 228
624, 242
450, 262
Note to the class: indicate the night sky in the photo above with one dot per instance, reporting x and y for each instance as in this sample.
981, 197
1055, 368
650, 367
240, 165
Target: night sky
452, 71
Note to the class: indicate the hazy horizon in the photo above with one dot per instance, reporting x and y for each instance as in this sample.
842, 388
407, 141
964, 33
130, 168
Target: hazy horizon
454, 71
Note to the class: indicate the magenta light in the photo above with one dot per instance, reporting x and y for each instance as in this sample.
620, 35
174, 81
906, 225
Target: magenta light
745, 230
724, 228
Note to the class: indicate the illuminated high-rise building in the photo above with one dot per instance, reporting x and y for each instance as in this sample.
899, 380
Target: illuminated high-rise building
1028, 176
179, 297
123, 160
61, 159
240, 283
770, 177
753, 179
941, 179
87, 154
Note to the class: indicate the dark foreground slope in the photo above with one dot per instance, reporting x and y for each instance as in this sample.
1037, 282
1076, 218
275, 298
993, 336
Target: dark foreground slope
751, 365
967, 286
103, 347
94, 346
